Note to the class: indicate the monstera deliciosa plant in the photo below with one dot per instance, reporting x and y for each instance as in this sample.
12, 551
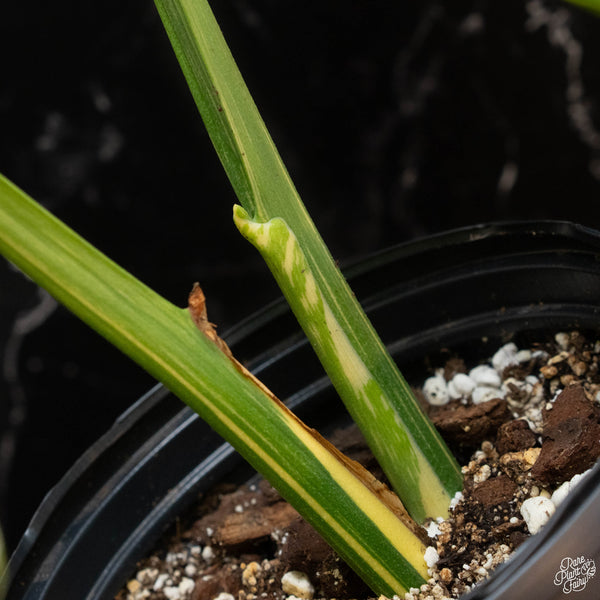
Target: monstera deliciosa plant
374, 529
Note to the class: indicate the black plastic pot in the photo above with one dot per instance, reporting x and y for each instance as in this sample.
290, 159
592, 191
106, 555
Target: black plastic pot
467, 290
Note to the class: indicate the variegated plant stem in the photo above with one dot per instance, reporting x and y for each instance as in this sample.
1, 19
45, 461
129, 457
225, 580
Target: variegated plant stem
386, 425
416, 460
358, 518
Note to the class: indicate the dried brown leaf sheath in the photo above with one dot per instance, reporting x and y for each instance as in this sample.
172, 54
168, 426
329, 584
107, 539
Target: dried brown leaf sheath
197, 309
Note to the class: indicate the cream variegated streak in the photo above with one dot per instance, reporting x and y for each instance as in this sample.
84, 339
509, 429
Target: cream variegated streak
357, 385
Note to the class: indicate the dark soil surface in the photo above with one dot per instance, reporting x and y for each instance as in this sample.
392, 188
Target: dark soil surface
541, 430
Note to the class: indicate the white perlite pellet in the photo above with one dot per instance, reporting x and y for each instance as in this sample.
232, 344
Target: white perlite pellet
461, 386
484, 375
431, 556
483, 474
208, 554
186, 586
524, 356
297, 584
160, 582
484, 393
436, 390
505, 357
566, 488
147, 576
172, 593
562, 339
536, 512
457, 498
433, 529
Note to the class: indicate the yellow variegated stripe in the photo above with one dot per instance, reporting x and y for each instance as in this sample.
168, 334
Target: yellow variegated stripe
384, 520
409, 471
390, 570
275, 443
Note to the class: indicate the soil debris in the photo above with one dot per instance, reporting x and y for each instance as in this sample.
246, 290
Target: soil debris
470, 424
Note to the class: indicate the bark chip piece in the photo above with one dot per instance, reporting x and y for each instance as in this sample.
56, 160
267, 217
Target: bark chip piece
571, 437
492, 492
470, 424
514, 436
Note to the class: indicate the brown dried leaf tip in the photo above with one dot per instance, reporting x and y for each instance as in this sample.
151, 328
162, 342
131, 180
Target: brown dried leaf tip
197, 309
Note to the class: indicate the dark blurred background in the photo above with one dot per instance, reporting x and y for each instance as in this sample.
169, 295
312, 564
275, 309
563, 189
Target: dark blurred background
395, 119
